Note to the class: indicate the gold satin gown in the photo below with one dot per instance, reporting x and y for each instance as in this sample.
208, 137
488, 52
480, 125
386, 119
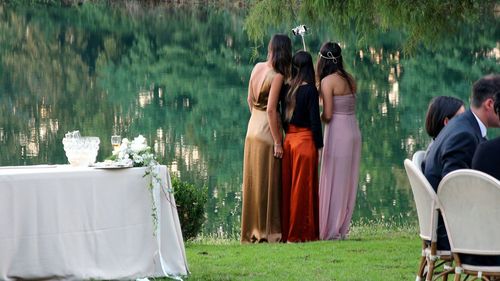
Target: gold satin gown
260, 216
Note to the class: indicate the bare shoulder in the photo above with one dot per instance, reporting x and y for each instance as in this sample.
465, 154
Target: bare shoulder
256, 67
259, 66
278, 78
338, 85
259, 69
329, 81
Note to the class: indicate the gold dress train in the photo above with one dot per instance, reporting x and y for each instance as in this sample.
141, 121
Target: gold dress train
260, 216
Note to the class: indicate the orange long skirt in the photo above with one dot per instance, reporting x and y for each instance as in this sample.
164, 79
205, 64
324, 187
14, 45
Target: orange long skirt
299, 213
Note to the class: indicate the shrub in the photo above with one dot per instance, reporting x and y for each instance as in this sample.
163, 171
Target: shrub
190, 202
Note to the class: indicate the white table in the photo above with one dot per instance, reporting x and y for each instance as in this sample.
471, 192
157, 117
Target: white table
62, 222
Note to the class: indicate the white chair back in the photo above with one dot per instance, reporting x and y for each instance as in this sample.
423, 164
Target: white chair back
418, 158
425, 201
470, 205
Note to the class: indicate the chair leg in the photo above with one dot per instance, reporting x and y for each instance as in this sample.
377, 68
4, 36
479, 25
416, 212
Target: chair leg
447, 269
430, 273
445, 276
421, 268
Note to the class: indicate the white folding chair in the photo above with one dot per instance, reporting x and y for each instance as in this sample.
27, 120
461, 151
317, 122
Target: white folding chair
418, 158
470, 205
427, 211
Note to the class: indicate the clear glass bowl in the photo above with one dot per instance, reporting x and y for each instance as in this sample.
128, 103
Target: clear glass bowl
81, 151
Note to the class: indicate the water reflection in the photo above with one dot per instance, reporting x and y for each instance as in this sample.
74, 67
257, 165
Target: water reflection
181, 82
145, 98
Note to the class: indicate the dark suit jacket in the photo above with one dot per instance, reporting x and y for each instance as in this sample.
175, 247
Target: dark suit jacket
487, 158
453, 148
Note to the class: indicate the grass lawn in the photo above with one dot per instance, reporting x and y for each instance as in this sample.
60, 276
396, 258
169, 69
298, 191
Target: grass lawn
371, 253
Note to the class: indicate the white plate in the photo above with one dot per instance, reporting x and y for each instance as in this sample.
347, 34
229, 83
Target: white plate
102, 165
112, 167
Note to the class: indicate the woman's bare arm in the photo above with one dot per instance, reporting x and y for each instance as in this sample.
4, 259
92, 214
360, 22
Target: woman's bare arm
273, 115
327, 97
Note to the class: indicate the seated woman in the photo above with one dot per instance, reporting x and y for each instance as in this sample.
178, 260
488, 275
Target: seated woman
441, 110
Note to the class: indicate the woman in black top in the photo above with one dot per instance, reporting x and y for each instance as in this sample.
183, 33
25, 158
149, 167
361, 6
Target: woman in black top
303, 140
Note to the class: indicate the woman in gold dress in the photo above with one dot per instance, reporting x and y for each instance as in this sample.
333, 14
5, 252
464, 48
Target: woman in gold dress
260, 216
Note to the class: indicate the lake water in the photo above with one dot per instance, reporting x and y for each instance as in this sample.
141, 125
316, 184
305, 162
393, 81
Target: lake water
179, 77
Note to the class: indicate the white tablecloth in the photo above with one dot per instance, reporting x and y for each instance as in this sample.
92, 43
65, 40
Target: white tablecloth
80, 223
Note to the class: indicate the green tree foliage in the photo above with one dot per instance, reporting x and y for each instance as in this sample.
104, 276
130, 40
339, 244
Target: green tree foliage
417, 22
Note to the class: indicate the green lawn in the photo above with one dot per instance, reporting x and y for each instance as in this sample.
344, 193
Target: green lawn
372, 253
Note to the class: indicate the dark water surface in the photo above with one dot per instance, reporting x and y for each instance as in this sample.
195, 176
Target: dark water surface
179, 77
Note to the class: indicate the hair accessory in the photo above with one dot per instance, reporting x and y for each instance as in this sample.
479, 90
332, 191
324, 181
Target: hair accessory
329, 56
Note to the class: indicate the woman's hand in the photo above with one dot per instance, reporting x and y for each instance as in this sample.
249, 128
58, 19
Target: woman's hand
278, 150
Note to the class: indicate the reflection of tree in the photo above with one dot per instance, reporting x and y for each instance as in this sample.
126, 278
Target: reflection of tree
100, 70
450, 69
202, 77
38, 78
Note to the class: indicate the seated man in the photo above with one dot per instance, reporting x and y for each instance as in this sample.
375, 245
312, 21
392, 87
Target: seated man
455, 145
487, 155
487, 159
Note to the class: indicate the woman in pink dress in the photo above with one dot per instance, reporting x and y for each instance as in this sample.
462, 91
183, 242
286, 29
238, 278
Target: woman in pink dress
338, 180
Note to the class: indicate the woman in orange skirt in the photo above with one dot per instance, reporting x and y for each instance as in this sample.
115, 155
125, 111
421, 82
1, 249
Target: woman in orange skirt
303, 140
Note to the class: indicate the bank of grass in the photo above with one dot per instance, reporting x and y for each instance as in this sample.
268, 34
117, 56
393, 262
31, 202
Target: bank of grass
374, 251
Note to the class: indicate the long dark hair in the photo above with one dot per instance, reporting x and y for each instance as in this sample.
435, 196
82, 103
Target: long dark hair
280, 49
302, 71
440, 108
330, 61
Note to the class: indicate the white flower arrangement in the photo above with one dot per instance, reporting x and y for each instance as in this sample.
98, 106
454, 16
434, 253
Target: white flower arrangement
137, 153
